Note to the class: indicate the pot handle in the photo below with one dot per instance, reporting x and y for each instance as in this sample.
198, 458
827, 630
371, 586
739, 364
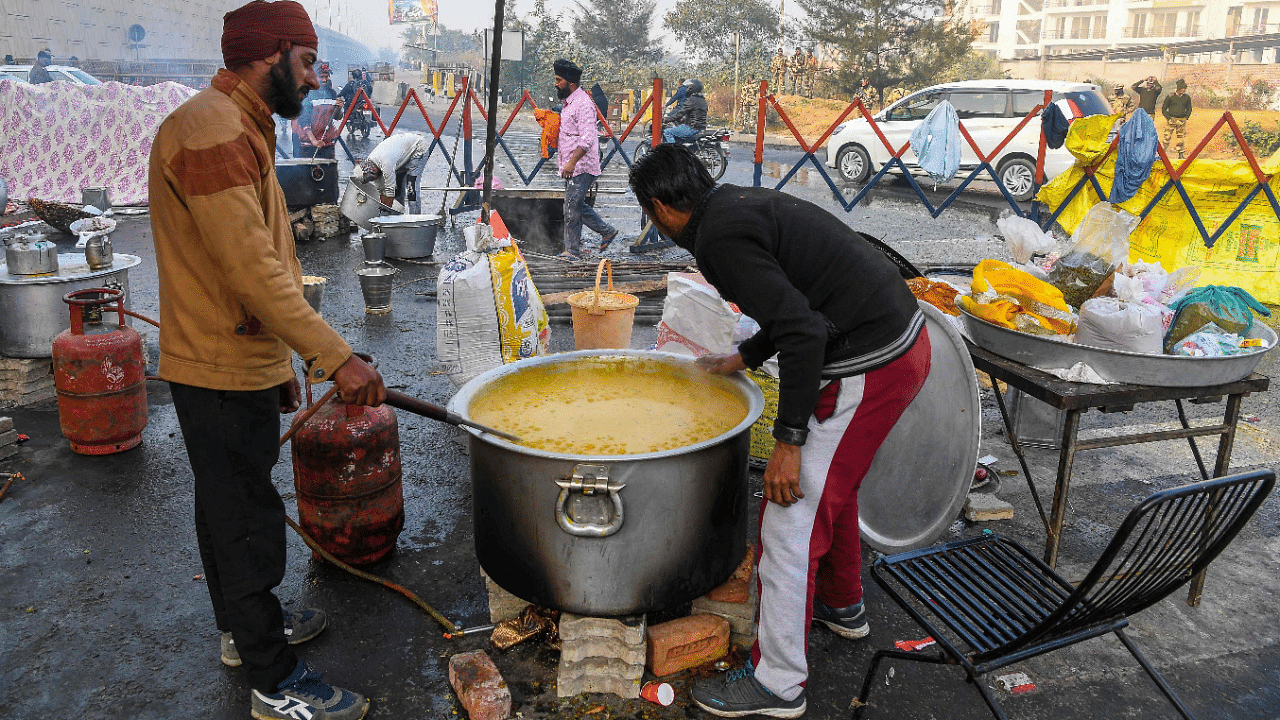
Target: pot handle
589, 480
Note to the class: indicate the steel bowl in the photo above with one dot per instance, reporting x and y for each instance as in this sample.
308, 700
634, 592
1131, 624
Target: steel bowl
409, 236
1116, 365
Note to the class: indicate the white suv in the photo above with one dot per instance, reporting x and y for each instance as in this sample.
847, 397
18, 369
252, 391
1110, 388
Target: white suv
68, 73
989, 109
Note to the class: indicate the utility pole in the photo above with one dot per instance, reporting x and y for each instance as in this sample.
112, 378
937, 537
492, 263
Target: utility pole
737, 45
782, 22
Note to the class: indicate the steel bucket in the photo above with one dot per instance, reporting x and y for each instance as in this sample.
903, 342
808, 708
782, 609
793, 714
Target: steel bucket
360, 204
409, 236
376, 285
674, 532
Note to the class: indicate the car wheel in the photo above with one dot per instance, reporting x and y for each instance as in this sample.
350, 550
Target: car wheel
1018, 175
853, 164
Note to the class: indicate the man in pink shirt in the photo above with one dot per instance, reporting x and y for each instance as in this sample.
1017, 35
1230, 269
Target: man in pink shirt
579, 160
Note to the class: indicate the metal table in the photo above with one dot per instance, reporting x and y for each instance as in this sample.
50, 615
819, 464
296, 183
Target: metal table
1076, 398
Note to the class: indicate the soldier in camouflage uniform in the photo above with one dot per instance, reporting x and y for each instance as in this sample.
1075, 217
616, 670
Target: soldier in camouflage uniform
748, 99
796, 67
1121, 104
778, 66
869, 96
810, 73
1176, 110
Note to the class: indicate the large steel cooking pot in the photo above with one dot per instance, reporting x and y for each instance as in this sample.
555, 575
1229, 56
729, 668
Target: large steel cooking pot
32, 312
610, 534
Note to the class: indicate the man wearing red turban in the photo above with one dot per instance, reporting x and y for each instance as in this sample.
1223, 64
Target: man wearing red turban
232, 314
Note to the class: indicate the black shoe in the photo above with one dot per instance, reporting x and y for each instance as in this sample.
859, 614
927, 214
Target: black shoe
737, 693
849, 622
304, 694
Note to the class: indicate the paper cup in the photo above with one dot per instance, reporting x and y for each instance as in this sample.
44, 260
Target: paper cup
658, 692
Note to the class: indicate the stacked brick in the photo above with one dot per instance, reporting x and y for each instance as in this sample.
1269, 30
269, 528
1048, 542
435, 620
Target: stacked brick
601, 655
8, 438
25, 381
736, 601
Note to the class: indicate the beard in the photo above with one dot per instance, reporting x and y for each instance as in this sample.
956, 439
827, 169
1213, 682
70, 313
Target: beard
285, 93
563, 92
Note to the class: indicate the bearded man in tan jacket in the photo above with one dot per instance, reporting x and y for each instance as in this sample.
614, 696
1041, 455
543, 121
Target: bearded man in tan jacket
232, 314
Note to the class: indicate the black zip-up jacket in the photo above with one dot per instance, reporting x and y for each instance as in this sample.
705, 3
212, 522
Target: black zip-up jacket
692, 113
828, 302
1176, 106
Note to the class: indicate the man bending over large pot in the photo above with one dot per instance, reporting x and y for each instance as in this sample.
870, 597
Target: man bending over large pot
853, 353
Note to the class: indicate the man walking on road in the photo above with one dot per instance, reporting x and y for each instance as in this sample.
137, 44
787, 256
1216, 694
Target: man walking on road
579, 159
1176, 110
853, 353
231, 310
1148, 90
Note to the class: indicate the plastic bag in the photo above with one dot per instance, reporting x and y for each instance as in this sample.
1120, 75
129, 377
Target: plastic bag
1213, 341
488, 310
1159, 286
1227, 307
1124, 322
1100, 245
1006, 296
1025, 238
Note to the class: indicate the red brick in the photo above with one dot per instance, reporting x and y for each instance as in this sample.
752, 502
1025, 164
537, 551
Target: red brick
479, 685
735, 589
687, 642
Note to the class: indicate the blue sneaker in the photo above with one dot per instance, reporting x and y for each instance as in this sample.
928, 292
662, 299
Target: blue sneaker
849, 622
305, 696
737, 694
299, 627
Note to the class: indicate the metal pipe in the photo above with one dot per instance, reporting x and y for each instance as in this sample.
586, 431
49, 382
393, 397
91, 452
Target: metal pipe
469, 631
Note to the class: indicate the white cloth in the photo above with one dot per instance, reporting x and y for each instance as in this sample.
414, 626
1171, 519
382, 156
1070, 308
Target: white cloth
394, 154
936, 142
59, 137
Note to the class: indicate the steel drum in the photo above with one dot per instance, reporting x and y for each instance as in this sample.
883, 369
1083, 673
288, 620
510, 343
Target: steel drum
1117, 365
919, 479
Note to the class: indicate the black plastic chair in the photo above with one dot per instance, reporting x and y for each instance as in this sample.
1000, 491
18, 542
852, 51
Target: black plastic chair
1003, 605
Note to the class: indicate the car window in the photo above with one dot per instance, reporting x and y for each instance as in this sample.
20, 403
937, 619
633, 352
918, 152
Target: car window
1089, 102
916, 108
989, 104
83, 77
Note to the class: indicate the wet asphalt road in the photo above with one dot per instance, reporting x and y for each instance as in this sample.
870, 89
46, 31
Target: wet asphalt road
100, 616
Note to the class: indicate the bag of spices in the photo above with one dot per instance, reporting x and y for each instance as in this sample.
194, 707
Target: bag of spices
1125, 322
1100, 244
1227, 307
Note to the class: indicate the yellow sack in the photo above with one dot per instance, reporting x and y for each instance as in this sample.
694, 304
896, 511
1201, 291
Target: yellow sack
1087, 137
1246, 255
1006, 296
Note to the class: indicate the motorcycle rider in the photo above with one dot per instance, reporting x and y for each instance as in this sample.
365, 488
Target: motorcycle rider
347, 95
690, 118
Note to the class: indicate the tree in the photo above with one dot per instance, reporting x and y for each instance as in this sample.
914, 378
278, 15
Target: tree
707, 27
890, 42
618, 31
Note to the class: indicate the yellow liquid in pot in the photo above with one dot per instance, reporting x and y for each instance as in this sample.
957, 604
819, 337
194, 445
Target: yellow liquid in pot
610, 406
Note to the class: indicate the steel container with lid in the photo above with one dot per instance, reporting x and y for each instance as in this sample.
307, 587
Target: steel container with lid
30, 255
32, 312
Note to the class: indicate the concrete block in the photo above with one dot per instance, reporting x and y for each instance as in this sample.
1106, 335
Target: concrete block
599, 675
628, 630
8, 438
737, 588
983, 507
731, 610
744, 640
12, 400
7, 451
479, 685
600, 647
22, 387
23, 365
687, 642
502, 604
6, 424
28, 374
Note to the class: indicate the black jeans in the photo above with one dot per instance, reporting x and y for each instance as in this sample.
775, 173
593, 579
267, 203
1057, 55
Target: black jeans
233, 440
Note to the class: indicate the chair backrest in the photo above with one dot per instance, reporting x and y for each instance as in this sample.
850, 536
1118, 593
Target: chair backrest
1159, 547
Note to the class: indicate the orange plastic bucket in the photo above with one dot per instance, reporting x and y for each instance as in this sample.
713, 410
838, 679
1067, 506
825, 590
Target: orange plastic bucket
603, 318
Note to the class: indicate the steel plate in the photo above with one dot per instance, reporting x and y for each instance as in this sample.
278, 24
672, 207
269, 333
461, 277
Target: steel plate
1117, 365
919, 479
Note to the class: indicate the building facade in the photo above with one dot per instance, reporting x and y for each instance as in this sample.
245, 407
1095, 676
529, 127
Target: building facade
1009, 29
174, 29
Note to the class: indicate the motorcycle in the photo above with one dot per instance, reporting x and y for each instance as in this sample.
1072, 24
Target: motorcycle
706, 146
361, 121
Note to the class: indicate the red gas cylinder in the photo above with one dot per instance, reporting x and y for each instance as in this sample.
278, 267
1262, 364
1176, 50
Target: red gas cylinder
346, 470
100, 375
